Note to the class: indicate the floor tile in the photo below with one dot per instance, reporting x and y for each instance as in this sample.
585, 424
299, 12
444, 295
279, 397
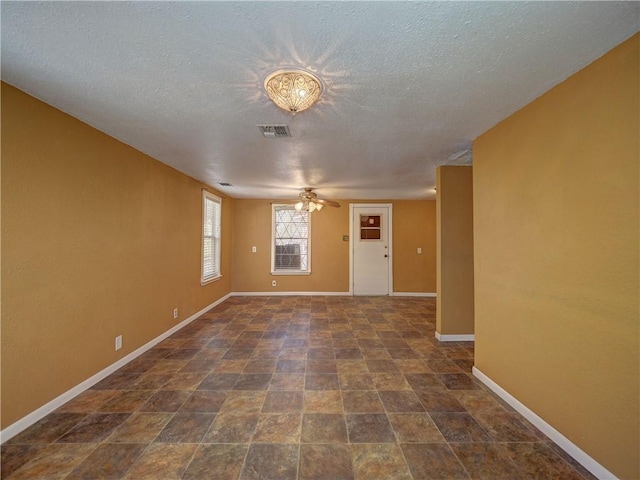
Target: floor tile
439, 401
229, 428
423, 381
165, 401
460, 427
433, 461
369, 428
412, 366
260, 366
379, 461
382, 366
321, 366
87, 401
315, 463
539, 461
284, 381
186, 428
204, 401
116, 381
414, 428
166, 461
243, 402
108, 461
488, 461
126, 401
508, 427
150, 381
54, 462
185, 381
278, 428
401, 401
253, 381
321, 381
352, 366
283, 401
324, 428
291, 366
323, 401
140, 428
267, 462
15, 456
212, 461
479, 401
362, 401
356, 381
458, 381
94, 428
219, 381
390, 381
49, 429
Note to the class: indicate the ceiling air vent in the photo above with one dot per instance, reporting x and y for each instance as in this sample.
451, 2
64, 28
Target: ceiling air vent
274, 131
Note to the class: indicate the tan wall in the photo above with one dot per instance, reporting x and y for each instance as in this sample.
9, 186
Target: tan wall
454, 304
413, 226
97, 240
556, 257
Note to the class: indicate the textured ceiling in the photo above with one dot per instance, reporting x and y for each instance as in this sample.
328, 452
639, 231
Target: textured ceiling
407, 84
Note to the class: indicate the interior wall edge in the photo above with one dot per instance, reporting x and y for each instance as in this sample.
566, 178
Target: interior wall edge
563, 442
31, 418
455, 337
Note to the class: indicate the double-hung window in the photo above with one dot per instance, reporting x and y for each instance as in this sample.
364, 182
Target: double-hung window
290, 241
211, 236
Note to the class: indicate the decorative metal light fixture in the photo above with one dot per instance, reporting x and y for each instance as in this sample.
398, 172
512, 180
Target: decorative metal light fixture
309, 201
293, 90
308, 206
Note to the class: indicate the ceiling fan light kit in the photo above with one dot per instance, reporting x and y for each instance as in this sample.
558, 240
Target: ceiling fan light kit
293, 90
309, 202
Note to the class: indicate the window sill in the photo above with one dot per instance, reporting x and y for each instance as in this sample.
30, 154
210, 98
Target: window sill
290, 272
210, 280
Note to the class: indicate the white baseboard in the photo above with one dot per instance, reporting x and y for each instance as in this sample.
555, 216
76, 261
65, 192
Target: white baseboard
28, 420
563, 442
414, 294
289, 294
455, 338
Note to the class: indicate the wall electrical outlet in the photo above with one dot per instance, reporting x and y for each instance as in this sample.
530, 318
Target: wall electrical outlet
254, 249
273, 283
118, 342
175, 313
419, 250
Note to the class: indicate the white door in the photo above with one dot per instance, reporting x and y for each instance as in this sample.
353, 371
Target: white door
371, 249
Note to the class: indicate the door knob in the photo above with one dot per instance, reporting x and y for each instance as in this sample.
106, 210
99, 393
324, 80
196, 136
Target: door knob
386, 256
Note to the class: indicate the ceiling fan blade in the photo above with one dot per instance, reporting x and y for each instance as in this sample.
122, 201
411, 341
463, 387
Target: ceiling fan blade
329, 203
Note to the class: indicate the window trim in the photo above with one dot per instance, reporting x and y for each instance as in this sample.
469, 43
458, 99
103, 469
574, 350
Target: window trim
204, 280
274, 207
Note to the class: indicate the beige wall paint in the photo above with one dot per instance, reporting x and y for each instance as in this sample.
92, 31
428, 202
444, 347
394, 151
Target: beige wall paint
98, 240
556, 189
454, 219
413, 227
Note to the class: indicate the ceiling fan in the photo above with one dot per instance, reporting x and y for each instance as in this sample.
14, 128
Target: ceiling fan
309, 201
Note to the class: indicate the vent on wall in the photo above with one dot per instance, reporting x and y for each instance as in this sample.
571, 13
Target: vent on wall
274, 131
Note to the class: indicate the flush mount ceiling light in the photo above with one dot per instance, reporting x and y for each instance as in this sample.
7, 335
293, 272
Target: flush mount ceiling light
293, 90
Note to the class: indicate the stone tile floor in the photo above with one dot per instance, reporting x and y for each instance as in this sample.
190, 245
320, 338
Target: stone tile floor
294, 388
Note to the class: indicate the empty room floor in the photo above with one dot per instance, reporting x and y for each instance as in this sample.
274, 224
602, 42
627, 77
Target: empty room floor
292, 388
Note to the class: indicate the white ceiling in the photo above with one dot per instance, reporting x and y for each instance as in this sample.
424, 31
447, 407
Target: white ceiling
407, 84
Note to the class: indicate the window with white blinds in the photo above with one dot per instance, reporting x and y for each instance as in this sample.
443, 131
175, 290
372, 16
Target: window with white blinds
291, 242
211, 235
